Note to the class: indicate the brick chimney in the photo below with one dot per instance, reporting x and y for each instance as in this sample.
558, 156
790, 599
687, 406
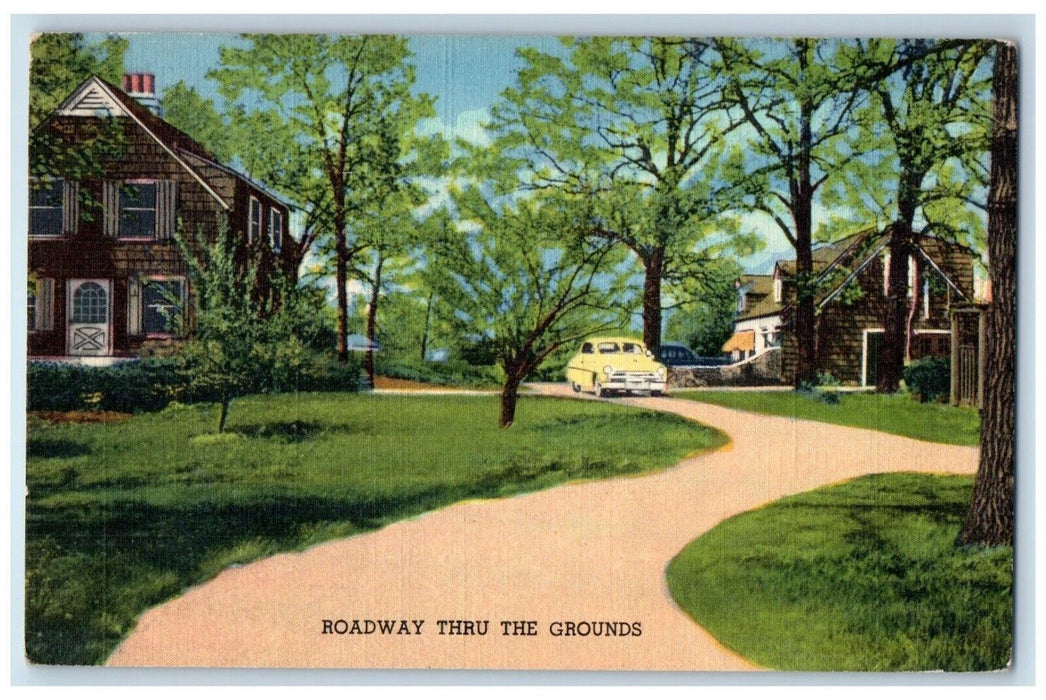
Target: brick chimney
142, 87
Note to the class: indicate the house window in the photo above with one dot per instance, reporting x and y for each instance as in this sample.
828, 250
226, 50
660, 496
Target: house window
90, 303
46, 198
926, 299
137, 210
162, 303
276, 229
254, 230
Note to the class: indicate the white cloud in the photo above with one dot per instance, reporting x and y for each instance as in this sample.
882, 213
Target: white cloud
469, 125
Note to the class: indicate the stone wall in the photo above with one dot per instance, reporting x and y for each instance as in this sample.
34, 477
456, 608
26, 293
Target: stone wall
761, 370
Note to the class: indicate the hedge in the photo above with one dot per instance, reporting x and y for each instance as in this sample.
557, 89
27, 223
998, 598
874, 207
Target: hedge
150, 384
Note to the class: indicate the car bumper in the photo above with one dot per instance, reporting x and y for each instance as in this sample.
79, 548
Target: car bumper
636, 385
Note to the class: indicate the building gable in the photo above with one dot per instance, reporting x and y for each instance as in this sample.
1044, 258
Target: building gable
91, 99
96, 98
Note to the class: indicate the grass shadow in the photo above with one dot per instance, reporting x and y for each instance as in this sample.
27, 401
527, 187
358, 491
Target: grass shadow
281, 431
45, 448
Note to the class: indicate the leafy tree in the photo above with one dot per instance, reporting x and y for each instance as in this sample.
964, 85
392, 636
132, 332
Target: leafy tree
797, 98
991, 515
388, 229
707, 321
928, 120
196, 115
523, 276
635, 127
324, 103
59, 63
227, 350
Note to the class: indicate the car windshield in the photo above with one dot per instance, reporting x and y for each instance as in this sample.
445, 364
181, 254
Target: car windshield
627, 348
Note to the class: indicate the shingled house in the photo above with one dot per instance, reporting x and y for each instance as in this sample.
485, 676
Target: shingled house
850, 304
104, 265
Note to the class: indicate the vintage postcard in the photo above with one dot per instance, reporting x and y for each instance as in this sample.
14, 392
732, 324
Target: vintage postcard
379, 351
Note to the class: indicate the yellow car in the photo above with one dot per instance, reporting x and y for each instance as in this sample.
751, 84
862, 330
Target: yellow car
605, 365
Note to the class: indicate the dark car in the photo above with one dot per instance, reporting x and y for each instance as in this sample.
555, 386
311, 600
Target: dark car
679, 355
676, 355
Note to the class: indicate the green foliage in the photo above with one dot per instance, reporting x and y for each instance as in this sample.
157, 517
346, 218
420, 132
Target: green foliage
522, 279
248, 341
929, 379
890, 413
635, 129
287, 475
59, 63
152, 384
863, 576
130, 387
926, 129
706, 323
339, 114
185, 108
227, 349
456, 373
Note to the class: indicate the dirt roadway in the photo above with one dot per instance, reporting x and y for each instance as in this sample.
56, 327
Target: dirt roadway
588, 551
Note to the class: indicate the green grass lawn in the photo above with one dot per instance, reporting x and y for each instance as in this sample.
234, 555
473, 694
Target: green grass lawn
123, 516
898, 414
860, 576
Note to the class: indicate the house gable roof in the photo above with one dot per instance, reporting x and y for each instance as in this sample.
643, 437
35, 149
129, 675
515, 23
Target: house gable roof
855, 251
95, 97
759, 297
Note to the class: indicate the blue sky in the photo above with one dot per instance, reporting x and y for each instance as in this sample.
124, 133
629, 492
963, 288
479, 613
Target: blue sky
466, 72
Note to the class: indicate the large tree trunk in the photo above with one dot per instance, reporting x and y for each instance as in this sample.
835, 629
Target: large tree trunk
653, 270
891, 353
991, 515
802, 214
372, 318
509, 396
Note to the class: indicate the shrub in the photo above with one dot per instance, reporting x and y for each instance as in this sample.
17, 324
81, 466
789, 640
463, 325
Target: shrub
148, 385
929, 379
151, 384
455, 373
827, 379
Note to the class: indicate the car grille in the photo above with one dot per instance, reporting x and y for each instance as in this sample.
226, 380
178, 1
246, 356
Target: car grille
633, 377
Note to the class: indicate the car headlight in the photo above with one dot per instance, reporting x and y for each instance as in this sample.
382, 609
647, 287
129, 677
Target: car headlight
661, 372
608, 370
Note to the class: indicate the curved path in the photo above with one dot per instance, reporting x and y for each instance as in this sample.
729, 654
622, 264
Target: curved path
586, 551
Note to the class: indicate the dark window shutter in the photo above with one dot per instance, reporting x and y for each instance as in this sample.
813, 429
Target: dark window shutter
166, 209
70, 206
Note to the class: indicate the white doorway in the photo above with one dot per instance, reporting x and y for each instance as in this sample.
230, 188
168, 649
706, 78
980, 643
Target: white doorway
89, 317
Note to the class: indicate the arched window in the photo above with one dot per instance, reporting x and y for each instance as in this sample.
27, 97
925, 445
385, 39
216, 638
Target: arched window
90, 303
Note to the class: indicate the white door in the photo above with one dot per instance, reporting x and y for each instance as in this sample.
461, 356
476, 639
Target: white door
89, 317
